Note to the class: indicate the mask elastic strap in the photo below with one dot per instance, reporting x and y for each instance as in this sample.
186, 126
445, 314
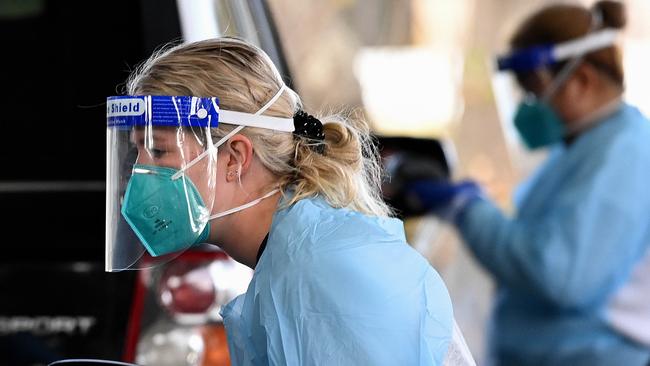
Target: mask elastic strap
243, 207
272, 101
266, 106
561, 78
221, 141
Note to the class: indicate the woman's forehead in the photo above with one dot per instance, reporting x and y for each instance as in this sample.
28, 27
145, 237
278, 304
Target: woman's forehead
157, 133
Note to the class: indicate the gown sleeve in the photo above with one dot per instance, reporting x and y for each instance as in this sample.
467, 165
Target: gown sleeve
577, 251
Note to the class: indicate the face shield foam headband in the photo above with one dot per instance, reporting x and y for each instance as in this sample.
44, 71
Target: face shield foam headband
160, 203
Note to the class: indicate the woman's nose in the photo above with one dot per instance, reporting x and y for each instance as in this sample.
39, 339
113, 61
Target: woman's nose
144, 157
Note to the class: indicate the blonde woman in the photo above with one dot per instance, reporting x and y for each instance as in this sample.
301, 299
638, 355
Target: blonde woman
226, 156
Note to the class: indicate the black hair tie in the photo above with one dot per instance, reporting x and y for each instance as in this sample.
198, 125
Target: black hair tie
309, 127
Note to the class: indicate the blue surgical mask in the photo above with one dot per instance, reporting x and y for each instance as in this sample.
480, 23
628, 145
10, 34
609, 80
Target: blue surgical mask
168, 215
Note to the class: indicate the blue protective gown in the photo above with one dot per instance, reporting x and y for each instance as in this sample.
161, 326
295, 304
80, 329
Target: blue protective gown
582, 223
336, 287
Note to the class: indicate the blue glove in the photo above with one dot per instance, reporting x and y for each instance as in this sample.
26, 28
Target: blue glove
442, 198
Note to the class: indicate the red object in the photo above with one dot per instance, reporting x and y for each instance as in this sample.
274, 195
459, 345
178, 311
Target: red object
216, 346
187, 288
137, 306
135, 320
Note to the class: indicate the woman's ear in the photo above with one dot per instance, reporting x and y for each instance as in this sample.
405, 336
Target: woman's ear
584, 78
575, 98
240, 156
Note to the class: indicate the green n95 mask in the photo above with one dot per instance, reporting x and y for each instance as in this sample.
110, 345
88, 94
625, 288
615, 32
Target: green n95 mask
538, 124
151, 207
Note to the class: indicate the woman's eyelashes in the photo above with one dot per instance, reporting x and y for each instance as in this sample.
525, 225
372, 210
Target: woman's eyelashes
157, 153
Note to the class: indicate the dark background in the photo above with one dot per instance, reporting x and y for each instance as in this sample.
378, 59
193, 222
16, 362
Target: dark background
60, 60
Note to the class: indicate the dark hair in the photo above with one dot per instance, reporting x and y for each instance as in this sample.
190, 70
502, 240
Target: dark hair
560, 23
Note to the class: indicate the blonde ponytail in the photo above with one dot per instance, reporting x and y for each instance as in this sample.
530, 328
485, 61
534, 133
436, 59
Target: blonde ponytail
347, 173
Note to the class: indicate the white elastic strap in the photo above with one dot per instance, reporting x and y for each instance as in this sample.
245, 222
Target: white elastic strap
259, 122
273, 100
254, 120
559, 80
584, 45
181, 171
243, 207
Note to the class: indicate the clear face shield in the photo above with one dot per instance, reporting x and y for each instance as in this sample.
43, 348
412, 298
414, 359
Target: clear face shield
155, 210
161, 172
524, 86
